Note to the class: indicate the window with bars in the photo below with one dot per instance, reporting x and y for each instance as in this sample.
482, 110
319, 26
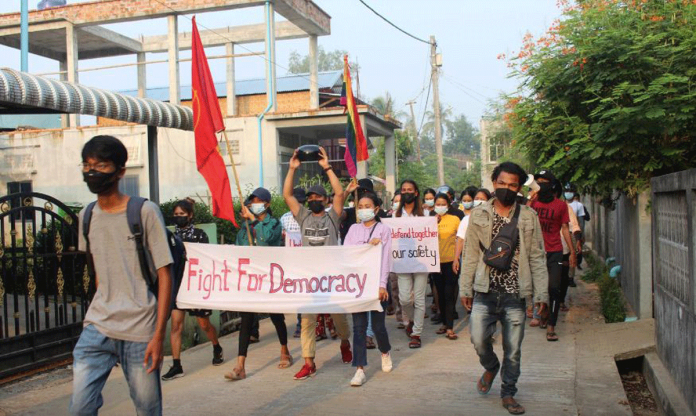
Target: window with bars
17, 188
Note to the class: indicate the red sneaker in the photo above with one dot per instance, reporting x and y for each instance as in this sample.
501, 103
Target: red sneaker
306, 372
346, 354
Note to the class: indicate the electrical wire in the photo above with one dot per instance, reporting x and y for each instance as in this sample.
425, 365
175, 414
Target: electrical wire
473, 97
452, 80
395, 26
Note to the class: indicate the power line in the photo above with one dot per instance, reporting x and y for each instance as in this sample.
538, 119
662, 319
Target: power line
452, 80
395, 26
464, 91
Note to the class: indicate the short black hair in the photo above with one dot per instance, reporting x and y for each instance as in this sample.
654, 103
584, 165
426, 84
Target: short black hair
485, 192
444, 196
469, 190
429, 191
106, 149
185, 205
511, 168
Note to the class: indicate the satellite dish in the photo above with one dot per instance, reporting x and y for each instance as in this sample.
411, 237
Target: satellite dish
47, 4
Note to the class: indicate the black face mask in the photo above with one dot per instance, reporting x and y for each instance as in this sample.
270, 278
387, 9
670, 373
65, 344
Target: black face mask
181, 221
408, 197
546, 192
316, 206
99, 182
506, 196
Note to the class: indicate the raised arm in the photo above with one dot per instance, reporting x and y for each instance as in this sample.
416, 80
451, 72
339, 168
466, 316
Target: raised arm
339, 197
292, 202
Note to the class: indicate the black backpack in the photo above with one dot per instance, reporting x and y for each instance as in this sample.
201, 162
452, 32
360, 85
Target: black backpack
147, 267
502, 249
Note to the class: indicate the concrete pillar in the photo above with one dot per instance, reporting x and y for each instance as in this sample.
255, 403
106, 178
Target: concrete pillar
231, 94
153, 163
63, 68
71, 53
271, 57
390, 163
173, 39
313, 73
645, 308
142, 75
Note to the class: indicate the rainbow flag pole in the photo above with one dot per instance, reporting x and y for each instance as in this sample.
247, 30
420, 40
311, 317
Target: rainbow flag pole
356, 144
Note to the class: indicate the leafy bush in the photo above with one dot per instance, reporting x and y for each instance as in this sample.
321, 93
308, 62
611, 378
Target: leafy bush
202, 215
613, 306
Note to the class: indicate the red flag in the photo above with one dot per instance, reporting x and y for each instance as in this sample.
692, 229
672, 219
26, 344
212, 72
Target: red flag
208, 121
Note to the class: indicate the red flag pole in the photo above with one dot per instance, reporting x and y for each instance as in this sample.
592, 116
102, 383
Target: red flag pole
236, 180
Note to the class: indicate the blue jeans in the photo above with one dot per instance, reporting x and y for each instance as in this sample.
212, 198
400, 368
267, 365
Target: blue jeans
94, 357
510, 310
360, 333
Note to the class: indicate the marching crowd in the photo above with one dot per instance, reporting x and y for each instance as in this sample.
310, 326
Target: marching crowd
508, 254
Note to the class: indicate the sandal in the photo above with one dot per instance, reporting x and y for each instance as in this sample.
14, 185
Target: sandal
534, 323
452, 336
285, 361
551, 336
370, 343
235, 375
543, 324
415, 342
564, 308
441, 331
514, 408
482, 387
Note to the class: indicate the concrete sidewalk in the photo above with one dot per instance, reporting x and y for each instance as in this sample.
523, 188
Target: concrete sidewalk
574, 376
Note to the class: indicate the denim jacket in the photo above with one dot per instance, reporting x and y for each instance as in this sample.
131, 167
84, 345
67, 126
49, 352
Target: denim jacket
533, 274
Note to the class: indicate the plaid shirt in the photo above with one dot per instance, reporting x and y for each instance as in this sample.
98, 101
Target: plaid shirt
289, 224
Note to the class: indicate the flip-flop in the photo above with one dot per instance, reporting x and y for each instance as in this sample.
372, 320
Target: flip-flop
482, 384
452, 337
551, 336
234, 375
441, 331
514, 408
285, 362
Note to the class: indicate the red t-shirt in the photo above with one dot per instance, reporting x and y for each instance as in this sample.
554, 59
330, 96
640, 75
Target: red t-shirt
552, 216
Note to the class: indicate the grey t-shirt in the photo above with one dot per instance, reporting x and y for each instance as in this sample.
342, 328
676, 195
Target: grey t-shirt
318, 231
123, 307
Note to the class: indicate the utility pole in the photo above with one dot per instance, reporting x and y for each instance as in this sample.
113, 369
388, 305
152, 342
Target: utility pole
415, 129
436, 63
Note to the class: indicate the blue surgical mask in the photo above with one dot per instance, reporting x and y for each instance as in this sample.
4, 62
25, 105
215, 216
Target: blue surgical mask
477, 203
440, 210
258, 208
429, 202
468, 205
569, 195
366, 214
395, 206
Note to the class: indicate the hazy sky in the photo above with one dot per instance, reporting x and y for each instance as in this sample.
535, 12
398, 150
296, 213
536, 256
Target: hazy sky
470, 35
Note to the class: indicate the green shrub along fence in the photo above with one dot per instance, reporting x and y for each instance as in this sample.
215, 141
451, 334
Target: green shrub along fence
227, 232
611, 297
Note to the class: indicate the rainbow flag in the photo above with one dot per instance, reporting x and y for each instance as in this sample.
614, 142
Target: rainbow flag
356, 144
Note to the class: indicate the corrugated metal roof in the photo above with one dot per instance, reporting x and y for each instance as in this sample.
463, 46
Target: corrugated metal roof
289, 83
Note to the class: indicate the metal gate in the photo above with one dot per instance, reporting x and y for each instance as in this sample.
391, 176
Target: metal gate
44, 285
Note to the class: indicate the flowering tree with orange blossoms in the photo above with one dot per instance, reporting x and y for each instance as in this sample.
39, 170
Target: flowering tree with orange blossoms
608, 95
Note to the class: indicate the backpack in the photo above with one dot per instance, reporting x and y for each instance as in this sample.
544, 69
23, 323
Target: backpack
502, 249
147, 267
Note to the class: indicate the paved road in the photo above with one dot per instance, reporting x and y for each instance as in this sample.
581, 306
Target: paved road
439, 378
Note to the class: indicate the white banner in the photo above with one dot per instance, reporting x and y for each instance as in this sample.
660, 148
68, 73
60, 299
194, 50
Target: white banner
415, 248
293, 239
337, 279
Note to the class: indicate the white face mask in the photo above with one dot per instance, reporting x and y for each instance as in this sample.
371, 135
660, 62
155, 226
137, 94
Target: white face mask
477, 203
395, 206
440, 210
430, 202
468, 205
569, 196
366, 214
258, 209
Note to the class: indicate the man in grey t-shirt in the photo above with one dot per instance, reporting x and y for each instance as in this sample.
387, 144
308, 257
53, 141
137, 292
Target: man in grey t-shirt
318, 227
125, 322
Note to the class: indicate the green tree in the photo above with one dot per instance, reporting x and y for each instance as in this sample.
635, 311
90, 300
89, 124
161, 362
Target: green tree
607, 95
326, 61
462, 137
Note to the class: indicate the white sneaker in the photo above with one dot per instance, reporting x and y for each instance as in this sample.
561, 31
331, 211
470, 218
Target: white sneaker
386, 363
358, 379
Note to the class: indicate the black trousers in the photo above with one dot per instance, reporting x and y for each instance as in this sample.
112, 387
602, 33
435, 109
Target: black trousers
565, 277
554, 264
447, 283
248, 319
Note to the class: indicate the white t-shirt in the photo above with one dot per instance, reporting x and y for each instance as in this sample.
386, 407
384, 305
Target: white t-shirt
578, 208
463, 225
